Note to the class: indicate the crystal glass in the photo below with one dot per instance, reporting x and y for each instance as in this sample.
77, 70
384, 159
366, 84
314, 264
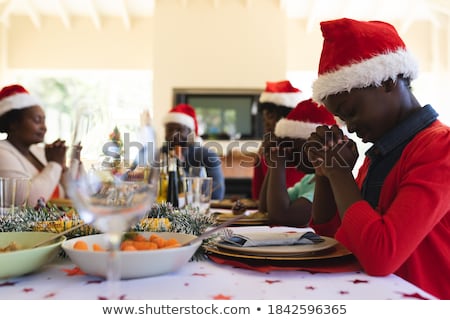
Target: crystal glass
112, 200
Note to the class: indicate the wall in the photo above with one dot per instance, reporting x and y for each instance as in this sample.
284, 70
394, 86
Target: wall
202, 46
82, 46
236, 44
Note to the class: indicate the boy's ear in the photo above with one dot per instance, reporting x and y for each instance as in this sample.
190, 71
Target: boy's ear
389, 85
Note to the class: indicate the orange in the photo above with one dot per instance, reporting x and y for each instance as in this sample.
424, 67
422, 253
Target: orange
80, 245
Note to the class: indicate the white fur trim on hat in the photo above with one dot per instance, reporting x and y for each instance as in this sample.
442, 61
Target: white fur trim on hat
288, 99
368, 72
286, 128
181, 118
17, 101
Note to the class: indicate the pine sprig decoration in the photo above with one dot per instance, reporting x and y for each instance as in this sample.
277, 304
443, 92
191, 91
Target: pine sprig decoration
160, 218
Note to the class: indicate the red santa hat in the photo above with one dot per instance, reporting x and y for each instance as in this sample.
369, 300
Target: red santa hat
15, 97
183, 114
303, 120
281, 93
358, 54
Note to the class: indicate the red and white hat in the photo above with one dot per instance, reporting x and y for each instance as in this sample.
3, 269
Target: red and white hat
303, 120
183, 114
15, 97
358, 54
281, 93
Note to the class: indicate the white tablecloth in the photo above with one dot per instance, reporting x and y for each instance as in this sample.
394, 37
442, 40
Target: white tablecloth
206, 280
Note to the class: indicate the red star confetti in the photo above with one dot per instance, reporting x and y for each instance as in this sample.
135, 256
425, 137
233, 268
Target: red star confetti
272, 281
186, 284
27, 289
310, 288
121, 297
49, 295
74, 272
221, 297
343, 292
7, 284
200, 274
356, 281
94, 281
413, 295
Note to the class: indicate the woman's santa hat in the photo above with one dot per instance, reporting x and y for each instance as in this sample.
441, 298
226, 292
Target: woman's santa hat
303, 120
359, 54
15, 97
281, 93
183, 114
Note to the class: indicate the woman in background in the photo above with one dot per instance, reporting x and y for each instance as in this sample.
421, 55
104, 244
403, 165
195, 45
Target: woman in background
23, 120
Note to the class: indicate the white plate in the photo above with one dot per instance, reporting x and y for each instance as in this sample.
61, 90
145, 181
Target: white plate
279, 251
133, 264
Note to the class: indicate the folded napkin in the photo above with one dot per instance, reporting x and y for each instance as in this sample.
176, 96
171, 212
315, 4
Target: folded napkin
258, 239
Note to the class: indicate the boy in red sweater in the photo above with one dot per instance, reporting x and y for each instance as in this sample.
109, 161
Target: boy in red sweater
395, 215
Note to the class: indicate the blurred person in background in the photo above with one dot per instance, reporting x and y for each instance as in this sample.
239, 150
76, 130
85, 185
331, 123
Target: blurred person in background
292, 206
22, 153
277, 100
181, 134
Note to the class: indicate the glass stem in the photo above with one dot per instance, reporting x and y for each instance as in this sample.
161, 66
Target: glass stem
113, 274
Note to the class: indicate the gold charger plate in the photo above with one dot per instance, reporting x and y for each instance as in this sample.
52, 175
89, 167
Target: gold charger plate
257, 218
336, 251
282, 251
61, 202
228, 203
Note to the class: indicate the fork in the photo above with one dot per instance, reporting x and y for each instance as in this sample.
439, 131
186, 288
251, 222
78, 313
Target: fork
227, 233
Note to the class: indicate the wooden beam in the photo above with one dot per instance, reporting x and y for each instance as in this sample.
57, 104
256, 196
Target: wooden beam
63, 14
125, 15
33, 14
184, 3
94, 15
6, 12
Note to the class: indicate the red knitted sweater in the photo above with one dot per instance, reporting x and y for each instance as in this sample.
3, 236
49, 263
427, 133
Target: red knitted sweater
409, 233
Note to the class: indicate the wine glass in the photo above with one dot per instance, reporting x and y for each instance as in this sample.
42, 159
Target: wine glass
112, 199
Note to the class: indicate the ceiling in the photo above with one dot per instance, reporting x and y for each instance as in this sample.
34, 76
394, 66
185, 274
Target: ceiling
312, 11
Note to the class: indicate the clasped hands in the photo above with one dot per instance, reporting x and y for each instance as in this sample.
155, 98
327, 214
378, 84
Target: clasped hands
329, 150
57, 152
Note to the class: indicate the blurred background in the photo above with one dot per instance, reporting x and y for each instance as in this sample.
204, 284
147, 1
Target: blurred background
120, 57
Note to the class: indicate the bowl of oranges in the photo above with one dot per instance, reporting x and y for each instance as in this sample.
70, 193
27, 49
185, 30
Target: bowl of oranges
142, 254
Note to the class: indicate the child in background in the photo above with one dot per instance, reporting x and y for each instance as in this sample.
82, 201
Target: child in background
292, 206
278, 99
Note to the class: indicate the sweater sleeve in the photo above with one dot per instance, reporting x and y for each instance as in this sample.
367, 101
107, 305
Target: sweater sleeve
213, 166
43, 183
413, 200
258, 177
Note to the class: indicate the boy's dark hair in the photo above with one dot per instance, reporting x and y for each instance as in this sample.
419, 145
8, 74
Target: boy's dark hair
281, 111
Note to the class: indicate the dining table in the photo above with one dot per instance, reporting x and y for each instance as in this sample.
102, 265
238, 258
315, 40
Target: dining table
208, 280
219, 275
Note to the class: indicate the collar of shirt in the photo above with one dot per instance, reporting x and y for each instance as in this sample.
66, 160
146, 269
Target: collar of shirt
404, 131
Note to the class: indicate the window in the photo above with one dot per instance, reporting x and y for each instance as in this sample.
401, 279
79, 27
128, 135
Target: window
110, 98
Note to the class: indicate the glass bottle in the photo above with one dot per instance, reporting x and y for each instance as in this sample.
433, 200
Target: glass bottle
172, 188
163, 179
178, 154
